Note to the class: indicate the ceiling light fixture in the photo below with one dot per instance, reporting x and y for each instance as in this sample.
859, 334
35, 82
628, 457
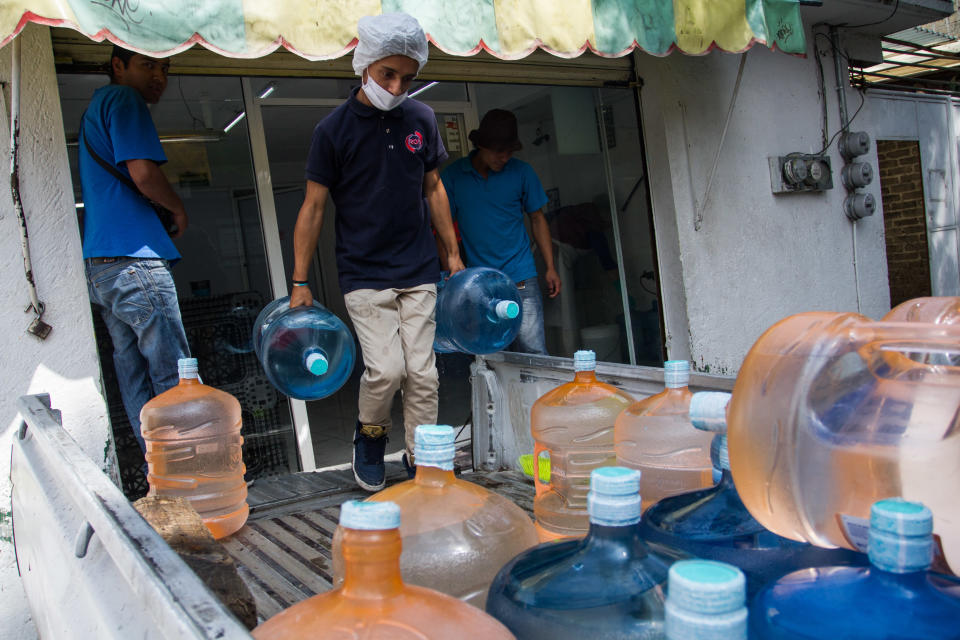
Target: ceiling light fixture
424, 88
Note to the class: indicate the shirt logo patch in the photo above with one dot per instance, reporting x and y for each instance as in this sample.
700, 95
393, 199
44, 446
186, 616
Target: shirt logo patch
414, 142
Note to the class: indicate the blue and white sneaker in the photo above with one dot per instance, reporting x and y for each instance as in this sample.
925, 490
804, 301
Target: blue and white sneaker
369, 445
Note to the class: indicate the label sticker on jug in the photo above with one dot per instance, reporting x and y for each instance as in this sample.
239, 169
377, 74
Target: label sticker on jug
855, 530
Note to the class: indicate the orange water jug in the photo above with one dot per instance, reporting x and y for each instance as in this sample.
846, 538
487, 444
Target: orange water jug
373, 602
832, 412
656, 437
192, 433
456, 534
573, 425
935, 310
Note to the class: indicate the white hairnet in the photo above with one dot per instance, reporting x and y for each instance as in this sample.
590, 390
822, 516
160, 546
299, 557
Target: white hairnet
389, 34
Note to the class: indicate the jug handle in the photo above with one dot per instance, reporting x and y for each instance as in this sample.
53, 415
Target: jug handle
541, 487
896, 352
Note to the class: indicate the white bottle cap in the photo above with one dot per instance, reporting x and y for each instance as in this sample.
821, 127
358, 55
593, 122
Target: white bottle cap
369, 516
585, 360
434, 446
676, 373
614, 498
508, 309
188, 368
719, 452
708, 411
901, 536
705, 600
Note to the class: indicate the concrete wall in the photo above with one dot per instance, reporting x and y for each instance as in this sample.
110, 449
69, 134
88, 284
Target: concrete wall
757, 257
65, 365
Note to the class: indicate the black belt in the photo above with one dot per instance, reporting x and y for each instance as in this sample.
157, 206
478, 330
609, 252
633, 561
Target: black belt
107, 260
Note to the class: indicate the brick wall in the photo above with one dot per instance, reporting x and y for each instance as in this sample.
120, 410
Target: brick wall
901, 181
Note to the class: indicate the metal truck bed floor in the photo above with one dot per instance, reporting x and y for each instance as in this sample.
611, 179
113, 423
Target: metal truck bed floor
283, 552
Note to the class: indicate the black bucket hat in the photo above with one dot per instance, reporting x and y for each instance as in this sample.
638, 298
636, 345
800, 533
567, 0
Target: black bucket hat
498, 131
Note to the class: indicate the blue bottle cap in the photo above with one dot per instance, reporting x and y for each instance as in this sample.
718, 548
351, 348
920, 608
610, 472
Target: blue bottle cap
901, 536
369, 516
705, 600
434, 446
188, 368
584, 360
614, 498
676, 373
508, 309
708, 411
719, 453
317, 364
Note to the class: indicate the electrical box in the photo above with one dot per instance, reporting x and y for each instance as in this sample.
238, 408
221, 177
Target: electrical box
800, 173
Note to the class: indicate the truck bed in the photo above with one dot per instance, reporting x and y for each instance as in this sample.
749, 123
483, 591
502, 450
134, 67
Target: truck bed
283, 552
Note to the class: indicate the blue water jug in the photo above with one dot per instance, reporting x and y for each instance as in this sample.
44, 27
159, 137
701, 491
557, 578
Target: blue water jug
478, 311
895, 597
306, 352
606, 585
706, 600
714, 524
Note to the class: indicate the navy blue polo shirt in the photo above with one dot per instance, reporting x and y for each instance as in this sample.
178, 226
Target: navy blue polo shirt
373, 163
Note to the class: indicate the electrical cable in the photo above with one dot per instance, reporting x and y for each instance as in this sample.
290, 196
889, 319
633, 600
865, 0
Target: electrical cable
896, 7
194, 119
844, 128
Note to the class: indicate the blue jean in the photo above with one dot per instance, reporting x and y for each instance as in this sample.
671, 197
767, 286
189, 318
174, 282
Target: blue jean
138, 303
530, 338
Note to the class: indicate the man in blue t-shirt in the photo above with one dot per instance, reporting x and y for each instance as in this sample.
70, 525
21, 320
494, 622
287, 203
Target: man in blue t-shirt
377, 156
489, 193
126, 249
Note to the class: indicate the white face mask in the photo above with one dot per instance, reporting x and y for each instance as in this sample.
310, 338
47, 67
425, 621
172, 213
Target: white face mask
380, 97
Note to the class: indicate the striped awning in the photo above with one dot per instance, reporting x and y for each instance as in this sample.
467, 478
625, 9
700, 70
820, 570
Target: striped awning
508, 29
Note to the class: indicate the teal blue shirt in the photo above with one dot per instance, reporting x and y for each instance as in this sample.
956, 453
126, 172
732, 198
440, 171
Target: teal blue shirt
117, 221
489, 213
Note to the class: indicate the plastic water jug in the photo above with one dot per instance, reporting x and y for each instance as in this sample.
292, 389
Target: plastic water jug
655, 436
306, 352
893, 598
713, 523
706, 600
374, 601
478, 311
940, 310
573, 424
192, 433
456, 534
606, 585
832, 412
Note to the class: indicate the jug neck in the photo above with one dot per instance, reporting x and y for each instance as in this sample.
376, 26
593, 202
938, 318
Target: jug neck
601, 535
371, 563
585, 377
433, 476
913, 580
189, 382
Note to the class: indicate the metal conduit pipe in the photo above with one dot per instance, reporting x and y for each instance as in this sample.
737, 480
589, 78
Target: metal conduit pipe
38, 327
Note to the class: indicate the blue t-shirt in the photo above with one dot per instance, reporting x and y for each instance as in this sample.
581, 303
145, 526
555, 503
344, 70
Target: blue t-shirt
489, 213
117, 221
373, 162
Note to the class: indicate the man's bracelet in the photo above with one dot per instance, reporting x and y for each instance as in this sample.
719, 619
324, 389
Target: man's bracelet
299, 283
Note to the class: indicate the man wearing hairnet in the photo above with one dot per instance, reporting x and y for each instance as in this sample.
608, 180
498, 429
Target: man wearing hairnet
377, 157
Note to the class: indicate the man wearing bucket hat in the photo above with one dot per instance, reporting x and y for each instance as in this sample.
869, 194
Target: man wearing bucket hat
377, 156
489, 192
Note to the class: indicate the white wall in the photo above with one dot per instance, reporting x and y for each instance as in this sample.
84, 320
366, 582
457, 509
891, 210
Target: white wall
757, 257
65, 365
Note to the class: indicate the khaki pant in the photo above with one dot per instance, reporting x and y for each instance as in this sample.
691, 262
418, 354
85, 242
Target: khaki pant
396, 329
